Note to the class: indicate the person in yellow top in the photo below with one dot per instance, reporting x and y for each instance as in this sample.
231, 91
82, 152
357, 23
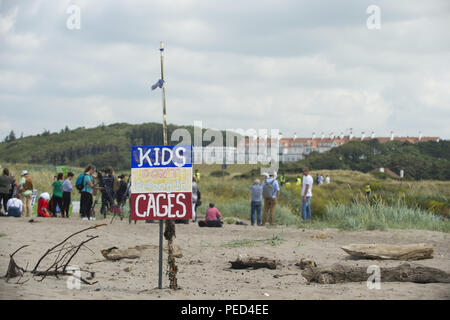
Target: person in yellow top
282, 180
299, 181
367, 189
197, 175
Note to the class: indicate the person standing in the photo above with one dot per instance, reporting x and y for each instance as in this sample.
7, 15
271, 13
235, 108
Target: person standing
321, 179
26, 192
86, 199
282, 179
197, 175
327, 180
67, 189
271, 190
194, 198
307, 186
368, 190
107, 182
5, 186
298, 181
121, 194
57, 195
255, 206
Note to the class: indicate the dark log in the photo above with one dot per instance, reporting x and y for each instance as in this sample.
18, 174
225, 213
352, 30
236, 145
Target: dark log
255, 263
338, 273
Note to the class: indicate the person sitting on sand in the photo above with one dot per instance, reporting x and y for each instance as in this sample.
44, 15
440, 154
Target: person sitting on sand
42, 209
212, 217
14, 207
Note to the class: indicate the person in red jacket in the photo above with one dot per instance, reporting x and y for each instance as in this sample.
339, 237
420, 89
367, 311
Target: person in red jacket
42, 209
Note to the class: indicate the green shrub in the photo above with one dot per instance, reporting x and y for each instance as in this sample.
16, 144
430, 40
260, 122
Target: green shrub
219, 173
363, 216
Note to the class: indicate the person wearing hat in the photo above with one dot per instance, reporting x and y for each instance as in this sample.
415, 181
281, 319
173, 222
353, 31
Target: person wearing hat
26, 191
271, 190
42, 210
255, 205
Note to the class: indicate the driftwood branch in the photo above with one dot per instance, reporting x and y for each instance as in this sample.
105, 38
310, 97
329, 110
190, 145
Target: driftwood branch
338, 273
64, 252
390, 252
13, 269
63, 242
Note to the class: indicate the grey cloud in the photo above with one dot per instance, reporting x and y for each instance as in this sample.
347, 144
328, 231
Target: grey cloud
299, 66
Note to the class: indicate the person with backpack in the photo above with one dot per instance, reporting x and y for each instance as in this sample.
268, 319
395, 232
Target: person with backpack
255, 205
26, 192
86, 186
270, 193
67, 189
57, 195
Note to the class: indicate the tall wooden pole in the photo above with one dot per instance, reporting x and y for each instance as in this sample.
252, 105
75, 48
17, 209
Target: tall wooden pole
169, 233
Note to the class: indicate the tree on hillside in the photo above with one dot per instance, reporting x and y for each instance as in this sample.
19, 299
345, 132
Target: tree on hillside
10, 137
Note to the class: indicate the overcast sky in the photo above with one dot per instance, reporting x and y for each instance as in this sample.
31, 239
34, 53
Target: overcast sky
293, 65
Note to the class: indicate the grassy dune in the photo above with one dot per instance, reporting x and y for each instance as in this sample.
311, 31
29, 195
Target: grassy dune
341, 204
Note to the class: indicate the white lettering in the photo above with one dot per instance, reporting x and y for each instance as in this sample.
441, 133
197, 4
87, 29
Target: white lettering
181, 214
156, 163
166, 162
144, 156
373, 21
170, 205
374, 281
178, 152
74, 20
151, 205
160, 214
136, 205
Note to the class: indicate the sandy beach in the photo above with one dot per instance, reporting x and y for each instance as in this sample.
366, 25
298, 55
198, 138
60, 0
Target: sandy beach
204, 268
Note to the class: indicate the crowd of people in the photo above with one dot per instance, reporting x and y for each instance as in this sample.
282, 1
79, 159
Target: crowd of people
16, 195
264, 198
269, 191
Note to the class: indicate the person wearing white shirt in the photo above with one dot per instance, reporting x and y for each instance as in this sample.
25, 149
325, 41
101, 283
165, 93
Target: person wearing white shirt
14, 207
307, 185
327, 180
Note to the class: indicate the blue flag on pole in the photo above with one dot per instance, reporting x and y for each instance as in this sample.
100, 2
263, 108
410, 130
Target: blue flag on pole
158, 84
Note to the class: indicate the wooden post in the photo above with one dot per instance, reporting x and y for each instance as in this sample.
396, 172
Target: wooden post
169, 233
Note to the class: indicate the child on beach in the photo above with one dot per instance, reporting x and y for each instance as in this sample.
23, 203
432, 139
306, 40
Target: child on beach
42, 209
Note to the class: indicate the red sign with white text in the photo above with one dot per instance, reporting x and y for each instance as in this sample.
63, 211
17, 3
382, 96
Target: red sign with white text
161, 182
164, 206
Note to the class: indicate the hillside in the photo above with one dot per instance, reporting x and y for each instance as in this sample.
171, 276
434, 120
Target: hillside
424, 160
110, 146
104, 145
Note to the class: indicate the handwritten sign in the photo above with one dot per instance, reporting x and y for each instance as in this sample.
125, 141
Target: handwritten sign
161, 182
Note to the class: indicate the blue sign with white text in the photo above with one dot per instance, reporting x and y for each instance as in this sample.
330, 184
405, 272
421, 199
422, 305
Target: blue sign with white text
178, 156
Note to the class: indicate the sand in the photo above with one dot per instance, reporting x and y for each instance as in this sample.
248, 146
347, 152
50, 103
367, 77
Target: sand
204, 268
